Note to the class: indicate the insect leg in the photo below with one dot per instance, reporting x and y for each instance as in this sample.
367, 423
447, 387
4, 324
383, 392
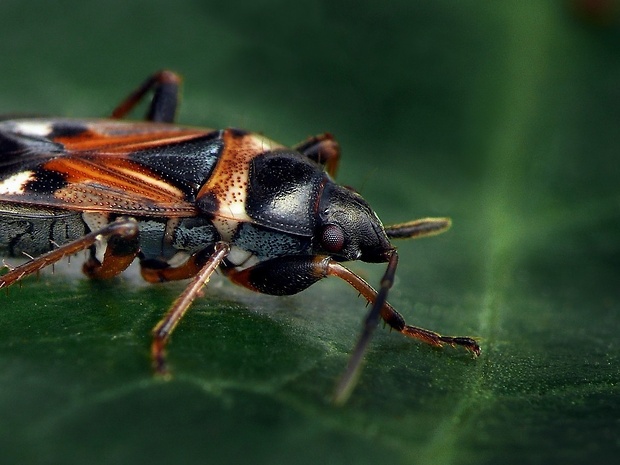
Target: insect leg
291, 274
156, 271
349, 377
163, 329
119, 253
165, 86
126, 228
323, 149
391, 317
285, 275
395, 319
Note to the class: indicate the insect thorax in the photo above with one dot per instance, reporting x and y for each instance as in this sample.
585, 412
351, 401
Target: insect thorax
250, 243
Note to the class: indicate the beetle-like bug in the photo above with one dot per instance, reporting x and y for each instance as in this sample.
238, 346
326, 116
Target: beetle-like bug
187, 201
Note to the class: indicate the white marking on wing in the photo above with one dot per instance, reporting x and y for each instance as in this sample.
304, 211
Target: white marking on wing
15, 184
33, 128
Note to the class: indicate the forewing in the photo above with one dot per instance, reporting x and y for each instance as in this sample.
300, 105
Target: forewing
144, 169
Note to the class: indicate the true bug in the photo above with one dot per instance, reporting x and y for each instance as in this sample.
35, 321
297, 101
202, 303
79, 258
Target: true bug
187, 201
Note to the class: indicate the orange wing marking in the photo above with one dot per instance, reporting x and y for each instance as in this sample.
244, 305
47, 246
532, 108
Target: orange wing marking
101, 142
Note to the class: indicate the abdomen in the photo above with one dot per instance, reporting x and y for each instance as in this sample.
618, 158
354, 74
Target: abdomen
33, 231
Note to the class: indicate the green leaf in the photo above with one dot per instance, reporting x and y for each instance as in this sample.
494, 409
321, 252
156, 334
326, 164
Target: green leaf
503, 116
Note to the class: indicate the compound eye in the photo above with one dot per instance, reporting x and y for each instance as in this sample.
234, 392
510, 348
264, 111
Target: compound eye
332, 238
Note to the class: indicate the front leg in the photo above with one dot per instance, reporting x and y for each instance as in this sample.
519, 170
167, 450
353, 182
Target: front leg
282, 275
289, 275
292, 274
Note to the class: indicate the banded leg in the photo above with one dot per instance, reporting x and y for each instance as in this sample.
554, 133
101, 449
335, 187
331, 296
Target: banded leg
165, 86
323, 149
394, 319
289, 275
123, 228
163, 329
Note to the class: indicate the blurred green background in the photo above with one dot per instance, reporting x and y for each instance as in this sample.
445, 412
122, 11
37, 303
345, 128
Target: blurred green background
503, 115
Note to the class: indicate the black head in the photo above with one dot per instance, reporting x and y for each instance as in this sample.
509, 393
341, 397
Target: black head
348, 229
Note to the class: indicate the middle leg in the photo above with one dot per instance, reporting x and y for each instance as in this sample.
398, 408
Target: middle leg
163, 329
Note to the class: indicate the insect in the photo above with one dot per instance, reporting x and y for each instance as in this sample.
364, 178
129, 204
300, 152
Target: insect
188, 201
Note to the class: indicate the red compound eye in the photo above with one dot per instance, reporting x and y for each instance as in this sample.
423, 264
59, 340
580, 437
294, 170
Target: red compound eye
332, 238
